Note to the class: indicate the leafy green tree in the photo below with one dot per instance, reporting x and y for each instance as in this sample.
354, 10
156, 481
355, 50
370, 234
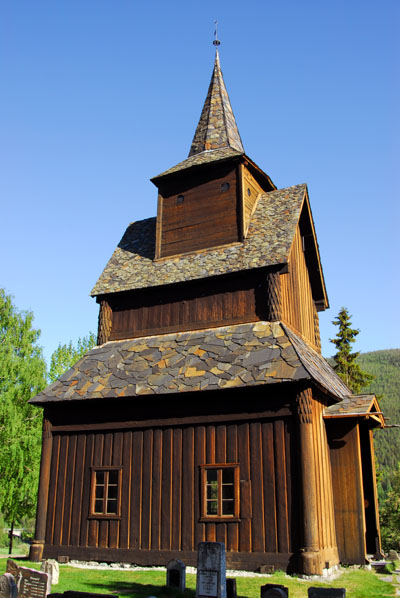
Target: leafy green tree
65, 356
390, 514
345, 361
22, 375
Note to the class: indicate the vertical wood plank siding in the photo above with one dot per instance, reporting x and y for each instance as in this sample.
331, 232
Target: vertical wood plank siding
235, 299
249, 183
298, 308
191, 219
160, 494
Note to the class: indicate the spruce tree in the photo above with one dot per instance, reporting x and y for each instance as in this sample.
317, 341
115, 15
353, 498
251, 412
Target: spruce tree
345, 361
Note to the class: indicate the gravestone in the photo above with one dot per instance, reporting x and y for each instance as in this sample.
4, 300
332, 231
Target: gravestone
76, 594
326, 593
32, 583
211, 570
12, 567
51, 567
231, 591
176, 575
274, 590
63, 559
8, 587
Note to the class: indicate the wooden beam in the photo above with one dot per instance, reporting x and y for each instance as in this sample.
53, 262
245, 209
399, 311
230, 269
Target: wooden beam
174, 421
37, 546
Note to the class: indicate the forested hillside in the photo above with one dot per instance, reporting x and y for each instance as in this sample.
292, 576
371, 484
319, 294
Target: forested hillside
385, 366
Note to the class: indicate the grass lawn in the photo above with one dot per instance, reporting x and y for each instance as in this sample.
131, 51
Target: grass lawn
359, 583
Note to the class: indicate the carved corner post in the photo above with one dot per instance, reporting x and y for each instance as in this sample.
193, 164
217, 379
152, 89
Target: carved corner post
37, 546
310, 559
105, 323
317, 337
274, 296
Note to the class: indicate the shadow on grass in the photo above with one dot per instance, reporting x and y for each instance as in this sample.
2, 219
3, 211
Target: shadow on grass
139, 590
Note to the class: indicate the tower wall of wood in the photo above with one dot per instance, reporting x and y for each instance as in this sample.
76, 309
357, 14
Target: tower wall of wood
298, 308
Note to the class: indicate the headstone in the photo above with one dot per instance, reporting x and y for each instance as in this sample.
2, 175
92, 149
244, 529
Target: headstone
211, 570
12, 567
51, 567
274, 590
63, 559
231, 591
32, 583
326, 593
393, 556
267, 569
176, 575
8, 587
76, 594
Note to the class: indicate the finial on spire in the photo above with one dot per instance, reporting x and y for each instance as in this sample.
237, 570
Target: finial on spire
216, 42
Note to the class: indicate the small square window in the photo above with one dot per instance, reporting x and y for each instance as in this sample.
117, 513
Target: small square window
105, 492
220, 491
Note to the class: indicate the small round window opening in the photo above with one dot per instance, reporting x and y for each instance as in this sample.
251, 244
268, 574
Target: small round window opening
248, 192
180, 199
225, 186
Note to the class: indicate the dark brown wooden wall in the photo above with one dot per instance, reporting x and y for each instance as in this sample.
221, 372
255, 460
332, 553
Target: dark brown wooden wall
298, 308
207, 217
250, 193
210, 302
160, 487
344, 444
323, 479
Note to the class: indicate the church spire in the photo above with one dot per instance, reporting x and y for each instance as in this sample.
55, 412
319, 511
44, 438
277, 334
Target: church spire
217, 127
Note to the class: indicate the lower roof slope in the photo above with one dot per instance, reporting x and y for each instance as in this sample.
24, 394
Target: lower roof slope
226, 357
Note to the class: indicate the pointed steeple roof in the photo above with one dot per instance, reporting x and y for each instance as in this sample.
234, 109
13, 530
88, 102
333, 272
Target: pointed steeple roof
217, 127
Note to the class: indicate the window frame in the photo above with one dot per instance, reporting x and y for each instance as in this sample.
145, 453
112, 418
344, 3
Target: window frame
106, 470
206, 517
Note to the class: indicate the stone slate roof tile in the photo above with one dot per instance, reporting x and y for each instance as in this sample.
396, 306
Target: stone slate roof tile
269, 353
268, 243
352, 405
204, 157
217, 126
318, 368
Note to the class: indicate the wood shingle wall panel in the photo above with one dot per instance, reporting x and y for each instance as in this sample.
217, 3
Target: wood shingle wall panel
160, 493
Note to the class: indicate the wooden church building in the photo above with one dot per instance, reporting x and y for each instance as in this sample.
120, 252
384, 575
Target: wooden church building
206, 412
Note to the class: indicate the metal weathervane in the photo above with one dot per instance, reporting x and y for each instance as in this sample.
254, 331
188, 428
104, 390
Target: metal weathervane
216, 42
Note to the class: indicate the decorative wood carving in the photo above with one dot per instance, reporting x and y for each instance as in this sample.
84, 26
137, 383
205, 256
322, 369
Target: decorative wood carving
317, 336
274, 296
304, 406
105, 323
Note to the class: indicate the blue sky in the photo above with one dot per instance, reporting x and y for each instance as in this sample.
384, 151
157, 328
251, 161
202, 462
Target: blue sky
100, 95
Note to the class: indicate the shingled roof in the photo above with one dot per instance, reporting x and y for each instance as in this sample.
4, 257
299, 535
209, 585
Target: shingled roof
357, 406
227, 357
217, 127
268, 243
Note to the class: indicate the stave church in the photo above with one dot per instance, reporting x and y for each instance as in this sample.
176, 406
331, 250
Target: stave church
206, 412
